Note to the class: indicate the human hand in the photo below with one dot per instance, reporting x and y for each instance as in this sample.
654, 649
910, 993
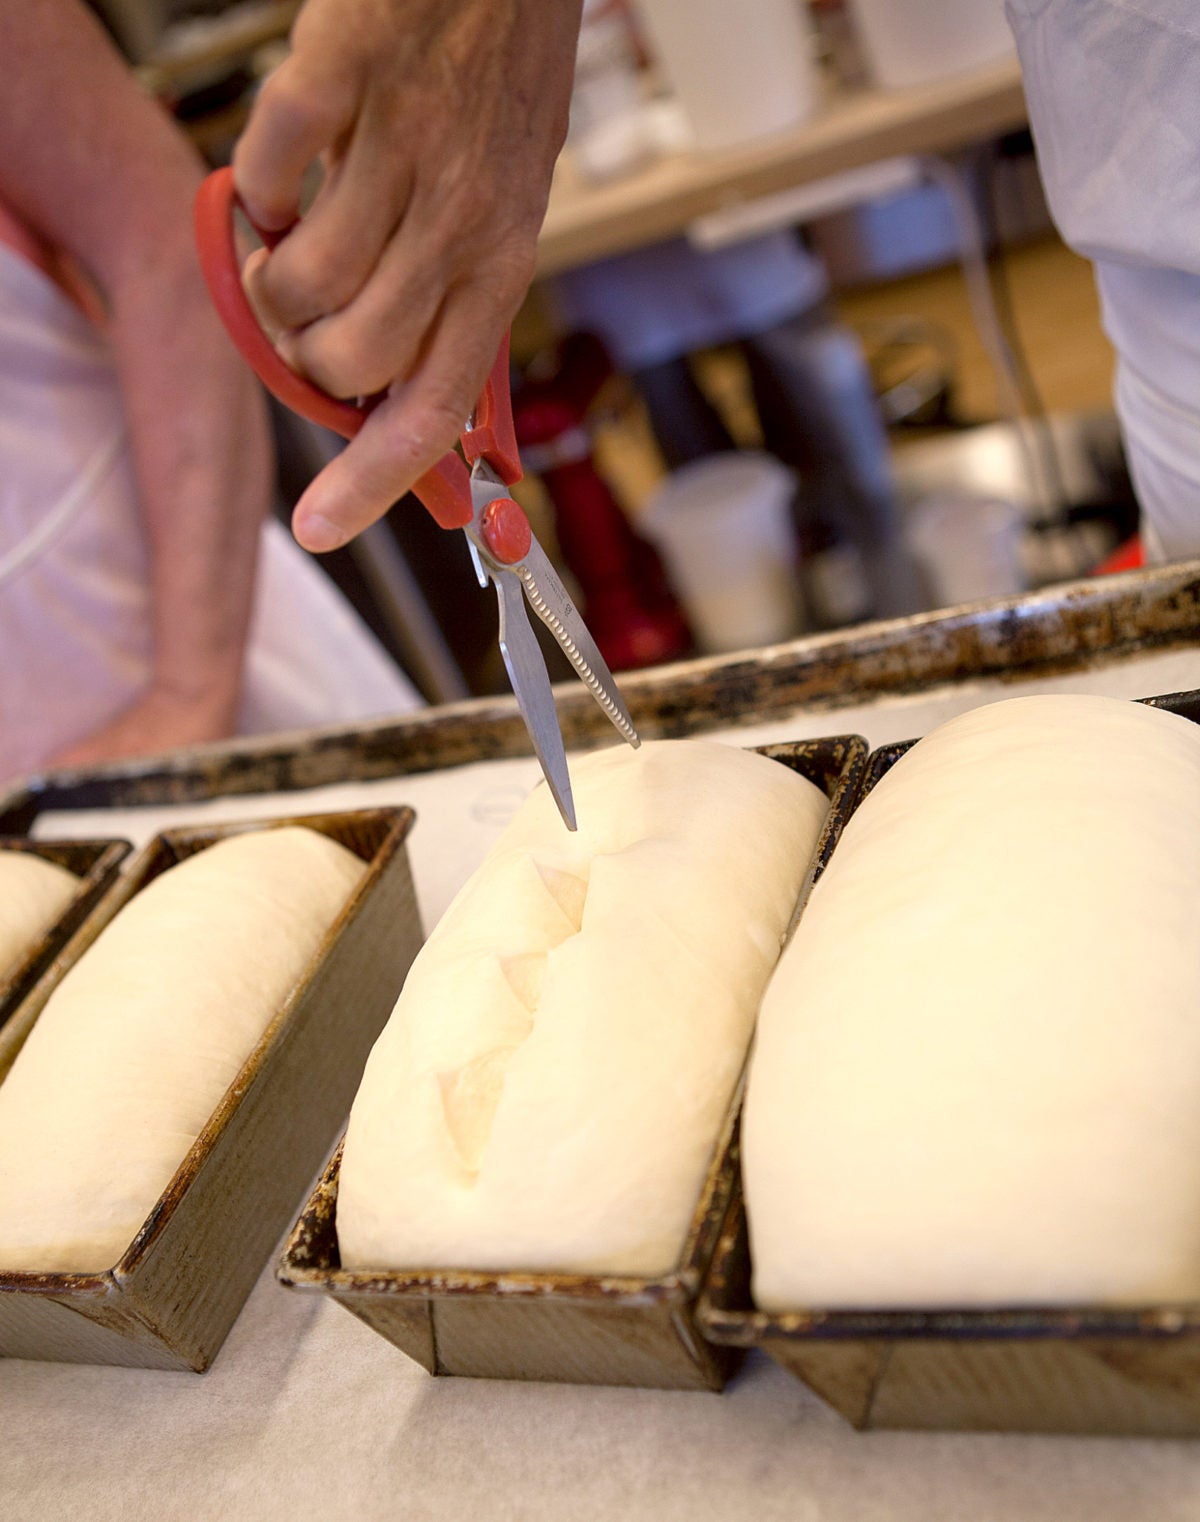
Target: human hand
437, 123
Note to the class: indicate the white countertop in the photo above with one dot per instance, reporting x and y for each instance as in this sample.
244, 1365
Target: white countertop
308, 1412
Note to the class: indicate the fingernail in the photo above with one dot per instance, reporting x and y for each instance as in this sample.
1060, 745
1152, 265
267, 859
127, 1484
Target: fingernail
318, 533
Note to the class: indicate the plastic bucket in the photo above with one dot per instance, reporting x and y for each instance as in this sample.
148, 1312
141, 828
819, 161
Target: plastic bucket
913, 42
967, 549
724, 528
740, 71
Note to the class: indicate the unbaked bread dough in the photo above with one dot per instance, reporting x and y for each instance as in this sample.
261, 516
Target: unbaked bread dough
33, 893
549, 1088
136, 1046
977, 1074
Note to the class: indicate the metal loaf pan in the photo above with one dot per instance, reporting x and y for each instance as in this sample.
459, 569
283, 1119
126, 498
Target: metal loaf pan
95, 863
570, 1328
1081, 1369
171, 1299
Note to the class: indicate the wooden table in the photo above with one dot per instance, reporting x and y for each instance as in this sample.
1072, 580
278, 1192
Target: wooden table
852, 129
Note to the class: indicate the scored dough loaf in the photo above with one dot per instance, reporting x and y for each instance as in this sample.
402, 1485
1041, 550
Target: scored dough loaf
33, 893
977, 1075
136, 1046
549, 1088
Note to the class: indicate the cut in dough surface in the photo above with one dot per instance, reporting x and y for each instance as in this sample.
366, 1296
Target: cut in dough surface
143, 1036
33, 893
977, 1076
548, 1091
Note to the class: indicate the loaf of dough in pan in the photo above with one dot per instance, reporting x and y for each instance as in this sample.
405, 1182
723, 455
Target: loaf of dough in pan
33, 893
977, 1077
139, 1042
549, 1089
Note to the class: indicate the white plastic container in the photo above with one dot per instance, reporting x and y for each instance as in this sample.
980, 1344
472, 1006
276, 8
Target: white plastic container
967, 549
741, 71
610, 131
913, 42
724, 528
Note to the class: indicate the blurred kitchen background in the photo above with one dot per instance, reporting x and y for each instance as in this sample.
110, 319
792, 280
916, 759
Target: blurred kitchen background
804, 349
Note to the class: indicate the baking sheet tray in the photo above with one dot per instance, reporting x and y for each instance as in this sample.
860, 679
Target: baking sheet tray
1070, 628
170, 1300
570, 1328
1084, 1369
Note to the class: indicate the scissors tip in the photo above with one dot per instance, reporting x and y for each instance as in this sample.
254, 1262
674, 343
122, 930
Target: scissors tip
566, 807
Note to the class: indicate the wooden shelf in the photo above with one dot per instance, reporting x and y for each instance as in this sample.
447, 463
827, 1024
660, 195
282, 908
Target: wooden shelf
587, 221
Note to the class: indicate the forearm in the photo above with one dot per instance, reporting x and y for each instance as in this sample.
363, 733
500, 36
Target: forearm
203, 467
100, 172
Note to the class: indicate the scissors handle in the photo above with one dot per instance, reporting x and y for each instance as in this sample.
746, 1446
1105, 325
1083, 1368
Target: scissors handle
444, 489
215, 240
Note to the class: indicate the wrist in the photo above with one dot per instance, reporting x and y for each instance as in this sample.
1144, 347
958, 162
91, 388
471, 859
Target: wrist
200, 707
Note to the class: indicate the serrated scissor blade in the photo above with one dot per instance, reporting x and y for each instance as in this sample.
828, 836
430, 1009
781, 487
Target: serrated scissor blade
552, 603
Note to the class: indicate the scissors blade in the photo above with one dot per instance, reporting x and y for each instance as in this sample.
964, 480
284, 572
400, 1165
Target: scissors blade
552, 603
481, 575
535, 698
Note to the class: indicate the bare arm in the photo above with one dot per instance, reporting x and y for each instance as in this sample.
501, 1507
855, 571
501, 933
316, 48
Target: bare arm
103, 174
438, 122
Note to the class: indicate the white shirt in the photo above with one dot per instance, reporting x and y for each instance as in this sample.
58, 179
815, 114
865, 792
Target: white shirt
1113, 88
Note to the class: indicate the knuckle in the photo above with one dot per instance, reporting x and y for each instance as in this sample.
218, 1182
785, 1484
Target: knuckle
306, 285
334, 357
414, 432
515, 266
501, 265
435, 419
496, 292
295, 103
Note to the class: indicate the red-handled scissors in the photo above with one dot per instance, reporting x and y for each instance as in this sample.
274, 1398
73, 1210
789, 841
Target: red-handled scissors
472, 496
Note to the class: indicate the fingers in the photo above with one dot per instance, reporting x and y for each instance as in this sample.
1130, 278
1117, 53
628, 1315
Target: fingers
379, 336
251, 280
382, 334
409, 210
300, 112
410, 431
328, 257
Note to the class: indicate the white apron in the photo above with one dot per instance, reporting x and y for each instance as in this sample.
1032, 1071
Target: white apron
75, 594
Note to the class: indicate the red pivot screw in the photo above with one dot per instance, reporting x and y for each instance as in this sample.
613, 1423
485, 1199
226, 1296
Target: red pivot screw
506, 531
